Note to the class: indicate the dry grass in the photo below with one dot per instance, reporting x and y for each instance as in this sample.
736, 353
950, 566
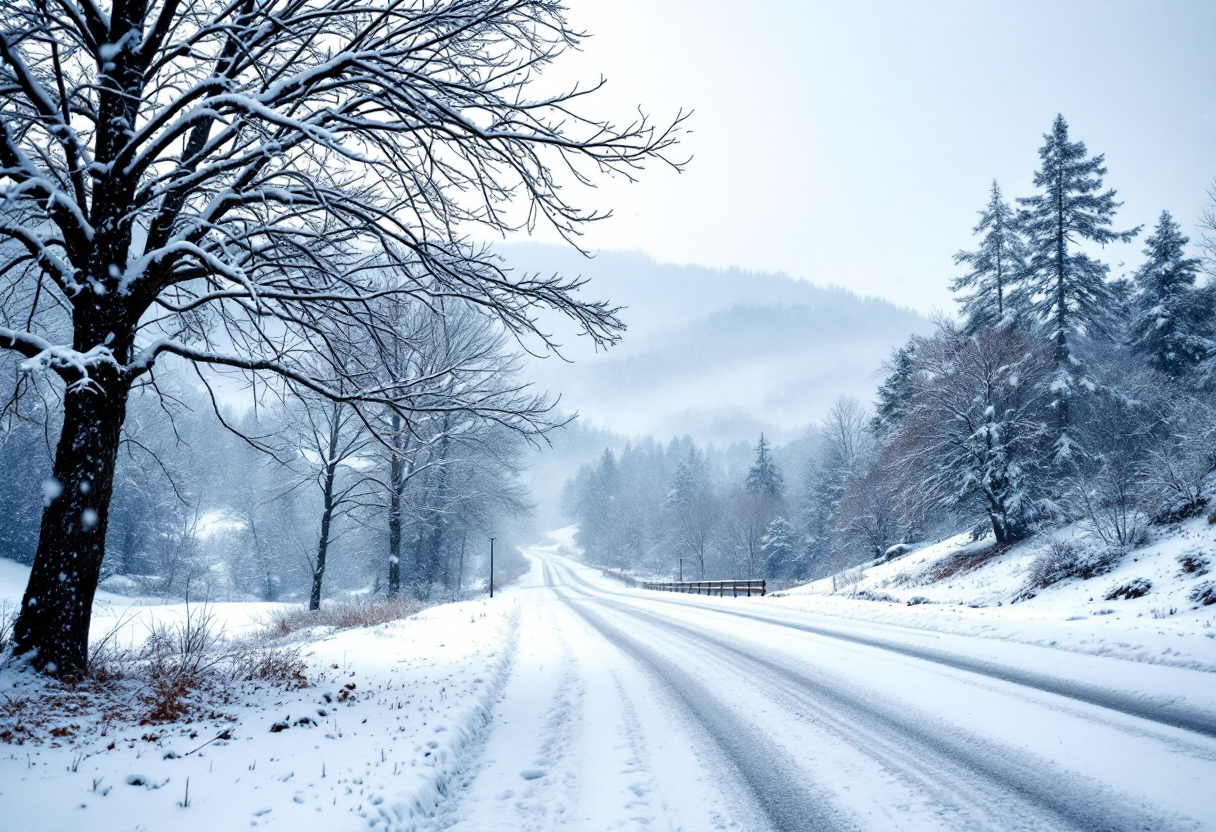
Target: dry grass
962, 563
8, 618
182, 673
362, 613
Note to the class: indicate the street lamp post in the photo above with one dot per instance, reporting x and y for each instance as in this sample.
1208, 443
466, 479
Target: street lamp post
681, 570
491, 567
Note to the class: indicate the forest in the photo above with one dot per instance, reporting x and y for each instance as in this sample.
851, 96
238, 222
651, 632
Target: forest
1059, 394
293, 499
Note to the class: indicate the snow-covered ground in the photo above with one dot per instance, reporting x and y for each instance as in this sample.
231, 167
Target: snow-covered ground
985, 597
571, 702
389, 719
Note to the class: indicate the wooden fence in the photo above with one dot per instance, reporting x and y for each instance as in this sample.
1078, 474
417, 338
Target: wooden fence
719, 588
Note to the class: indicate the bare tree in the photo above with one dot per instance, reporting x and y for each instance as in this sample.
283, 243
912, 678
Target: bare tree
215, 181
330, 440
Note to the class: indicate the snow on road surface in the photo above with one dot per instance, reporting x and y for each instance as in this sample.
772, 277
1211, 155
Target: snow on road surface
570, 702
638, 710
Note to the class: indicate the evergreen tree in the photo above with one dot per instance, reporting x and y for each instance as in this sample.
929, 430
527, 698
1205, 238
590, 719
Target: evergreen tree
1171, 323
1069, 289
779, 549
990, 286
691, 480
764, 478
895, 390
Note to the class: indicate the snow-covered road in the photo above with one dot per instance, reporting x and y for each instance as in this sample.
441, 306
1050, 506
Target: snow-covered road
635, 710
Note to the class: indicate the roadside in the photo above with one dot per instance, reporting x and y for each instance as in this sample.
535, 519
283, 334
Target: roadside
370, 737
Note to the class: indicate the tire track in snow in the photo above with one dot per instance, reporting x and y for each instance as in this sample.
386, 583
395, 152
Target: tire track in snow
1037, 783
773, 779
520, 762
1170, 713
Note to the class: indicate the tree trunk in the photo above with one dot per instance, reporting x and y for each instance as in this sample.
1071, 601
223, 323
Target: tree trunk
318, 572
1063, 359
327, 513
53, 626
394, 511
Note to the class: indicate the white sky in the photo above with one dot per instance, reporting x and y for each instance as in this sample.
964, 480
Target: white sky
853, 142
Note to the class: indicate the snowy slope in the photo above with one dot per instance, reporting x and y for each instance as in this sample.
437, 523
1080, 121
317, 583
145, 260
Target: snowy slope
969, 593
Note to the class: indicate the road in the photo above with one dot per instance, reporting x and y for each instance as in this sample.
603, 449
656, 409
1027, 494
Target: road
634, 710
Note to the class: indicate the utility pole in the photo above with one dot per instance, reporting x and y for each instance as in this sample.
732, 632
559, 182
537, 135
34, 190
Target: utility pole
491, 567
681, 570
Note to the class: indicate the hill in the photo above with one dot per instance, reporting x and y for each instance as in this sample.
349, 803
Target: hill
718, 354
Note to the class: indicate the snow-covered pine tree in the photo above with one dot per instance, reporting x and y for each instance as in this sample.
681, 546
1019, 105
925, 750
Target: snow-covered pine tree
1171, 320
690, 480
779, 548
764, 478
1068, 287
989, 292
895, 389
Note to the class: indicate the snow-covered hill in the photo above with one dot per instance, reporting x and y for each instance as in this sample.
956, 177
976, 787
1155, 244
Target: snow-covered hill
963, 586
719, 354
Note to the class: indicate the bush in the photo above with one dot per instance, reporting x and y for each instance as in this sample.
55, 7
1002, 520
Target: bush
1193, 563
1205, 593
1063, 559
1135, 588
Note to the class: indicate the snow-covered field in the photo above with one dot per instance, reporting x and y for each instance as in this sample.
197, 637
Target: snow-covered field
571, 702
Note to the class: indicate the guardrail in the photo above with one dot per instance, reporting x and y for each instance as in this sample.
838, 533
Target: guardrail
719, 588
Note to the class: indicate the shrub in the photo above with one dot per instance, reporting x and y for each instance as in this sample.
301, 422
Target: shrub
1205, 593
1063, 559
1135, 588
1193, 563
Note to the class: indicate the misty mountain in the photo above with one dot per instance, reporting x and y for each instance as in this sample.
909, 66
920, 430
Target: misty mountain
718, 354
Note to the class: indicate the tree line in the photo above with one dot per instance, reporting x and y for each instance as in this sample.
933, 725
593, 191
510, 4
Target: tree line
292, 498
1060, 394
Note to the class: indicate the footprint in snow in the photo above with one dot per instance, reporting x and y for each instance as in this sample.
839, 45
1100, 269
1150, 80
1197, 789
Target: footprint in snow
532, 773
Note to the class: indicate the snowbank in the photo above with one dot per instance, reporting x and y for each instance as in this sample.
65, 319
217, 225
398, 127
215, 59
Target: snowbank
956, 587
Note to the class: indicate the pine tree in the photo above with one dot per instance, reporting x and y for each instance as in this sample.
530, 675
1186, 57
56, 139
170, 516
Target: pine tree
764, 478
1069, 289
995, 269
1170, 322
690, 481
895, 390
779, 549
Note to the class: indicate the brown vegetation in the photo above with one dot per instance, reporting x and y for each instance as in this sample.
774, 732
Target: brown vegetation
359, 613
185, 672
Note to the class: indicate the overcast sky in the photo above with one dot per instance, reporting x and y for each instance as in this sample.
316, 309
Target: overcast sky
853, 142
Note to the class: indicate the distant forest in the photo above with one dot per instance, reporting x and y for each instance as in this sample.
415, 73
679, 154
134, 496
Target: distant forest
1059, 395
